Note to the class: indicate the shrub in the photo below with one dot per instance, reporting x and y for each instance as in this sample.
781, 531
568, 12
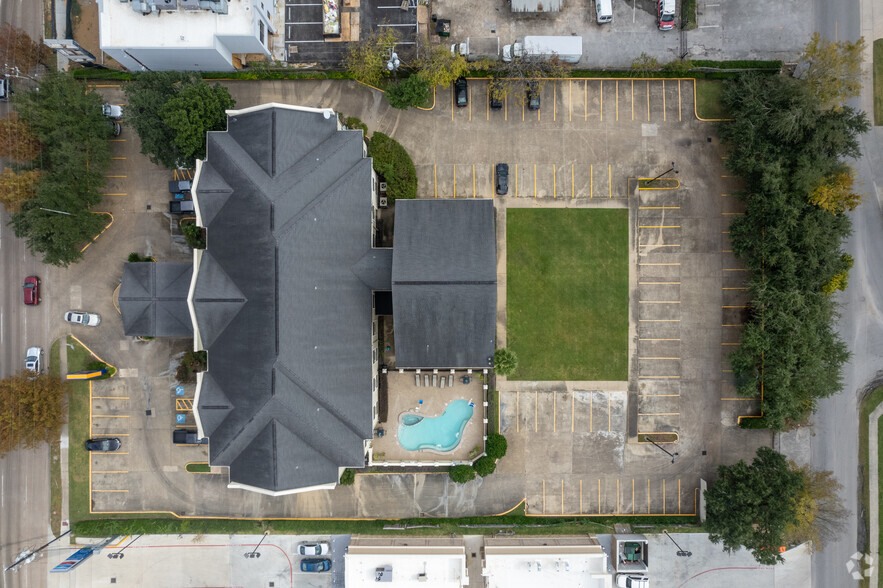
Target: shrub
462, 474
496, 446
100, 365
348, 477
191, 363
134, 257
485, 466
505, 361
394, 166
354, 122
194, 235
412, 91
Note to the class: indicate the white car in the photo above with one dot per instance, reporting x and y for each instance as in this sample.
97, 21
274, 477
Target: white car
113, 111
320, 548
34, 359
87, 319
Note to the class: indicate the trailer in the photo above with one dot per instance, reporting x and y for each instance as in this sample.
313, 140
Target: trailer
538, 48
475, 49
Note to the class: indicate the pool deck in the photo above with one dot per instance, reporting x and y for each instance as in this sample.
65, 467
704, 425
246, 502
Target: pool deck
404, 396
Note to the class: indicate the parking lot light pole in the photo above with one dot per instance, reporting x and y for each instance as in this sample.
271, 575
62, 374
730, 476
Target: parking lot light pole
681, 552
119, 554
671, 169
55, 211
253, 554
673, 455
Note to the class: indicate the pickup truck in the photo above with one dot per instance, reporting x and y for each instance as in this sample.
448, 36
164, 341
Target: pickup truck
181, 206
180, 186
187, 437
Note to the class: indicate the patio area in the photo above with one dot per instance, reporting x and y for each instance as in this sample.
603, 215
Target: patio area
404, 396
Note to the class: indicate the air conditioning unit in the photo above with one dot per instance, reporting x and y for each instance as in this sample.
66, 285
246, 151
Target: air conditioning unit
384, 202
383, 187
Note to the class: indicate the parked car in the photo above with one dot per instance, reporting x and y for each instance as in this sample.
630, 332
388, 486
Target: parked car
87, 319
34, 359
32, 290
494, 92
187, 437
533, 96
315, 564
461, 91
502, 178
318, 548
103, 444
666, 12
116, 128
113, 111
180, 186
181, 206
5, 89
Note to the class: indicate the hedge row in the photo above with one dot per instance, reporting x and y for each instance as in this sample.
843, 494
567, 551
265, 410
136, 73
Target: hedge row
266, 74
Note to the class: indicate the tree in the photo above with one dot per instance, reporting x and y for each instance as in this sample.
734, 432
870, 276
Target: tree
17, 142
644, 64
462, 474
513, 77
19, 54
751, 506
412, 91
441, 67
32, 410
834, 70
366, 59
17, 188
496, 446
821, 516
835, 192
485, 466
348, 477
394, 166
191, 113
505, 361
171, 111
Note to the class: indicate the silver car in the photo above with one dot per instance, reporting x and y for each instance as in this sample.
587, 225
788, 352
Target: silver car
34, 359
87, 319
319, 548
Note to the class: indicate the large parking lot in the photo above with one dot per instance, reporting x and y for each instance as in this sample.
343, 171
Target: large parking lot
573, 445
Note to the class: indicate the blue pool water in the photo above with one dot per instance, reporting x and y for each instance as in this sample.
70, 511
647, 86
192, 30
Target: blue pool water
441, 433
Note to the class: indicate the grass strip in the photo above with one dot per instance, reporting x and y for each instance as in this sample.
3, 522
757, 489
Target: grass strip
866, 407
878, 82
518, 523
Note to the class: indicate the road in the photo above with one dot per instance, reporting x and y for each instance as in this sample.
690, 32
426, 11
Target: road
834, 445
24, 474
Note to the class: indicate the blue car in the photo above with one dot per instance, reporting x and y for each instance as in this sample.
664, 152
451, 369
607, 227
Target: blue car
318, 564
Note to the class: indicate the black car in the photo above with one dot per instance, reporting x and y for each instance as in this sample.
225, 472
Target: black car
496, 102
187, 437
315, 564
502, 178
461, 91
103, 444
181, 206
533, 96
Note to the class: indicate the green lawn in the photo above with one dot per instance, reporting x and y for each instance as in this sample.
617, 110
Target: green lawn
567, 293
867, 406
878, 82
708, 99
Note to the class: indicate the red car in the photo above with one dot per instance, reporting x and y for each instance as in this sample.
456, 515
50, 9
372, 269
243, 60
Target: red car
32, 290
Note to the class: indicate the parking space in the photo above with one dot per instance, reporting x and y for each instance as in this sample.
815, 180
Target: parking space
612, 495
557, 408
575, 101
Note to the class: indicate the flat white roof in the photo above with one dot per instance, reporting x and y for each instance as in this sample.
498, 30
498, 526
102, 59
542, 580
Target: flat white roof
120, 26
443, 566
553, 566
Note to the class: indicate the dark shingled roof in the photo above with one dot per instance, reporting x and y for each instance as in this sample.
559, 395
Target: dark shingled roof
444, 283
153, 299
283, 298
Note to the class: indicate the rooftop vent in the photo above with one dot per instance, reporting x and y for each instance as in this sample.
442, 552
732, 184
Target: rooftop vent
383, 574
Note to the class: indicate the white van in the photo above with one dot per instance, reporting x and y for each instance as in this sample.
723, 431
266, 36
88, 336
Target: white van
604, 8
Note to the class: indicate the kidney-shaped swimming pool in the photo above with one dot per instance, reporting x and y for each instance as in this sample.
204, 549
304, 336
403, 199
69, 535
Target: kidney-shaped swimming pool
441, 433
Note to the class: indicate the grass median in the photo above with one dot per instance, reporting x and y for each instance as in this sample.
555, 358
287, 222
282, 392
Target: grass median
567, 293
867, 406
709, 105
878, 82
